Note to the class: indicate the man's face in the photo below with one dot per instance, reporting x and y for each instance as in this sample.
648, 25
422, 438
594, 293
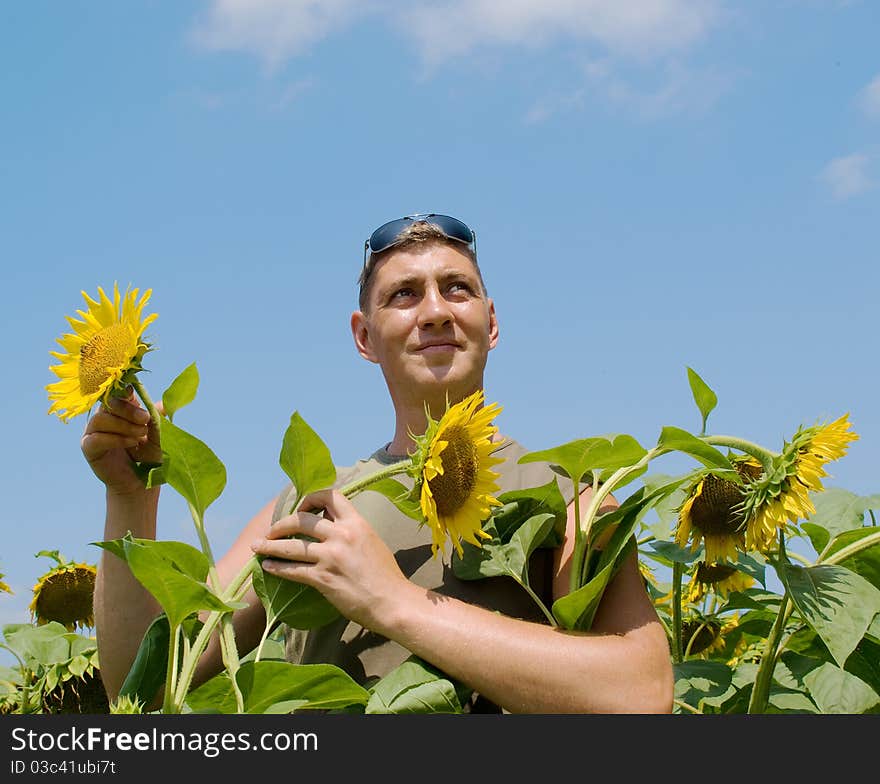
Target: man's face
429, 326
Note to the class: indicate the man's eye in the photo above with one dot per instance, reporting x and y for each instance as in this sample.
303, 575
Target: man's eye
400, 293
459, 286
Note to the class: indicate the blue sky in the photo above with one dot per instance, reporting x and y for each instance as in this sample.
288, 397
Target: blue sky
654, 185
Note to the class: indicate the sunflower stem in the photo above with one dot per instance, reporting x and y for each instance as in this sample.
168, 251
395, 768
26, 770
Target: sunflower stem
677, 570
355, 487
749, 447
547, 614
601, 492
147, 401
850, 550
169, 703
761, 688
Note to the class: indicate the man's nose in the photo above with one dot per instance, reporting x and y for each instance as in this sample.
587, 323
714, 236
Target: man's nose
434, 310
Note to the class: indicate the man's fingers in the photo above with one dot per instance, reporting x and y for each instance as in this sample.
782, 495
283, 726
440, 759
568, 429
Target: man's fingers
301, 550
300, 523
94, 445
333, 503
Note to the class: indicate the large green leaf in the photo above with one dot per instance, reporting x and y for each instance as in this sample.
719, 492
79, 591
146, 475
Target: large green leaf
173, 572
148, 671
696, 680
837, 510
864, 562
414, 687
305, 458
837, 691
400, 495
494, 557
682, 441
45, 645
191, 468
836, 603
265, 684
181, 392
584, 455
704, 397
517, 506
298, 605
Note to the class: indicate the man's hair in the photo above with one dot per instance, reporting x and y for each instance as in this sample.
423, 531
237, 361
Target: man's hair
413, 235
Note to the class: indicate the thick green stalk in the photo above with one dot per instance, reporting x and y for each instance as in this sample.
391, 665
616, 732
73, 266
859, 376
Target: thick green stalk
170, 704
850, 550
677, 571
749, 447
585, 524
761, 689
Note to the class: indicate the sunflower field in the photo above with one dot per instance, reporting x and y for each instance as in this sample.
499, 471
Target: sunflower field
766, 581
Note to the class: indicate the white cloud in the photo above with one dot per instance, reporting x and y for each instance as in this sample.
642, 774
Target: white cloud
641, 30
274, 30
847, 176
869, 98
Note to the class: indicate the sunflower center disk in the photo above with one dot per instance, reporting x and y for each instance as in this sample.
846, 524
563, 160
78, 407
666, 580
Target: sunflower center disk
715, 510
108, 348
453, 487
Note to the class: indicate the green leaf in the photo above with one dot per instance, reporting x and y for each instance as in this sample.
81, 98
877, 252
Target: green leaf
704, 397
836, 603
298, 605
672, 552
181, 392
173, 572
414, 687
44, 645
680, 440
399, 494
305, 459
577, 609
521, 505
584, 455
148, 671
191, 468
837, 691
837, 511
864, 562
696, 680
264, 684
495, 558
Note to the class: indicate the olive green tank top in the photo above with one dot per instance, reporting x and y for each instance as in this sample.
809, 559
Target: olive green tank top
367, 656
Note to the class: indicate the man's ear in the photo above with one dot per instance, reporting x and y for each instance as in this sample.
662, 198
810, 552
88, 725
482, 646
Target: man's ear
493, 325
360, 331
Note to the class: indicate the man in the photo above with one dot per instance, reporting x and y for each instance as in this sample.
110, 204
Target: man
424, 317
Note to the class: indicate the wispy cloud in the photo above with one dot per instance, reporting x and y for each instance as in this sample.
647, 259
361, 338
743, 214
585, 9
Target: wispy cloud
869, 98
848, 175
273, 30
276, 30
637, 30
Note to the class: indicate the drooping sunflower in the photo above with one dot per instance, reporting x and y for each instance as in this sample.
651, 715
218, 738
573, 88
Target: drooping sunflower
701, 635
64, 595
782, 495
102, 353
452, 466
712, 514
720, 578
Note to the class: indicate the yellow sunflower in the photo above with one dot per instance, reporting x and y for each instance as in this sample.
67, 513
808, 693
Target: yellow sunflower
64, 594
3, 586
782, 495
712, 514
720, 578
455, 483
102, 353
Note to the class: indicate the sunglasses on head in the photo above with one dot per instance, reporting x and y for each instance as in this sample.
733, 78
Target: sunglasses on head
388, 234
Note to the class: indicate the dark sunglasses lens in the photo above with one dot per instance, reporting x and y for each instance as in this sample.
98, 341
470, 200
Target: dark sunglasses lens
453, 228
385, 236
